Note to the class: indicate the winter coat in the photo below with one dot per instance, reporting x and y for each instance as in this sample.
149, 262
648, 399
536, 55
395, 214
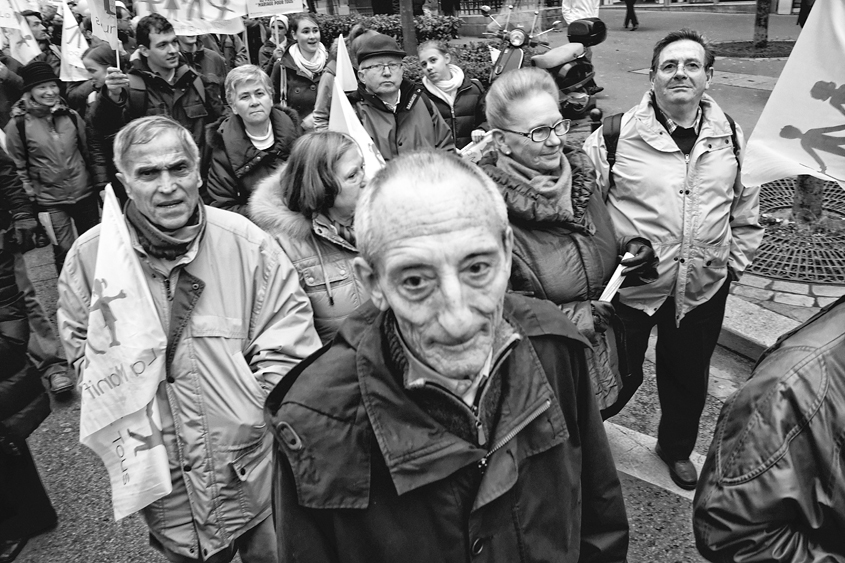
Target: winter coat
566, 258
52, 165
300, 91
237, 166
772, 487
230, 47
367, 470
237, 322
78, 94
211, 66
694, 210
10, 87
415, 125
322, 259
467, 113
181, 101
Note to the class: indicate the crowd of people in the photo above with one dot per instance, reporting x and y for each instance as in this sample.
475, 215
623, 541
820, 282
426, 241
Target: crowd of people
413, 368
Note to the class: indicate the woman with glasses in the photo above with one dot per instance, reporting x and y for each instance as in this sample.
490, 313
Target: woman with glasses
296, 75
565, 247
309, 208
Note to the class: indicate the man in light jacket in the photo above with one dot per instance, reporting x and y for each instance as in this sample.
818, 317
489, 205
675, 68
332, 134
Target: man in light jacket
676, 182
236, 321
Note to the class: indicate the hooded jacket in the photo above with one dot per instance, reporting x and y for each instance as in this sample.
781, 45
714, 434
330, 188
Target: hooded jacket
415, 125
370, 471
237, 166
566, 257
301, 91
52, 165
467, 113
10, 87
694, 209
322, 259
772, 487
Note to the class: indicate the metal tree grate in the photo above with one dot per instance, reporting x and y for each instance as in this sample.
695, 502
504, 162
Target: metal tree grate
786, 254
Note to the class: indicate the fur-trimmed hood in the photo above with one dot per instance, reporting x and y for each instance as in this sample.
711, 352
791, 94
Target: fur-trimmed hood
267, 209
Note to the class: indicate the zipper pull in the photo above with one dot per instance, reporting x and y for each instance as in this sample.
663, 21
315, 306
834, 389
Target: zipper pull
686, 158
479, 429
167, 288
482, 464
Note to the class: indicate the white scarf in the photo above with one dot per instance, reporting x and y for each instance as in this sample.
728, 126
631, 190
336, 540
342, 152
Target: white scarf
446, 90
309, 68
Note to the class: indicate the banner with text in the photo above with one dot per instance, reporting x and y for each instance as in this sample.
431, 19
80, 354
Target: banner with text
198, 17
104, 21
123, 367
73, 45
802, 127
257, 8
22, 46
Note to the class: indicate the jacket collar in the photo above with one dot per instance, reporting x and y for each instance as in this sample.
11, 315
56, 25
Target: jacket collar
242, 154
713, 123
24, 106
409, 95
183, 71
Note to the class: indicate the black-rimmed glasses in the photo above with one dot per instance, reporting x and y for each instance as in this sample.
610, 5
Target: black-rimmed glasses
541, 133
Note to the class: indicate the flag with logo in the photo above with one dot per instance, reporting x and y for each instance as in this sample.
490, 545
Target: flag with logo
22, 45
197, 17
342, 117
73, 45
104, 21
802, 127
123, 367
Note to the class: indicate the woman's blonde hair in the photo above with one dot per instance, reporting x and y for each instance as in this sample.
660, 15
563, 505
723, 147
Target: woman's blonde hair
508, 91
242, 75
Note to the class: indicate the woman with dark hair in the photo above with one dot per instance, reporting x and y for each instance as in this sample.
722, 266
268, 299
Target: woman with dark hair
309, 208
295, 77
251, 143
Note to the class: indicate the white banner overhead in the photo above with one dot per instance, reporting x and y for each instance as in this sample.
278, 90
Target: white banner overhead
73, 45
22, 46
104, 21
257, 8
197, 17
802, 127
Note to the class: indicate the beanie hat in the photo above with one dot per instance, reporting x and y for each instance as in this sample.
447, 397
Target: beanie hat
376, 45
282, 19
35, 73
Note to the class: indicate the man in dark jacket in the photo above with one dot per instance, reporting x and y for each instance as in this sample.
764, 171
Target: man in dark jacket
772, 488
159, 83
447, 420
396, 113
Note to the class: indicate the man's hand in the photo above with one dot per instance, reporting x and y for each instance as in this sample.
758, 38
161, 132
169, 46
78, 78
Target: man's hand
477, 135
643, 257
25, 228
116, 83
602, 313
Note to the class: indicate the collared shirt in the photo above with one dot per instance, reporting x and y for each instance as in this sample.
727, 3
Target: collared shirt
392, 107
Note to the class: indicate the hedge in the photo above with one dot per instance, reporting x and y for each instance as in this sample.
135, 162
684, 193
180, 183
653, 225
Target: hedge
442, 28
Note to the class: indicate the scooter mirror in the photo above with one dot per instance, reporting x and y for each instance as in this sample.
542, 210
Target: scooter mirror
556, 23
510, 6
485, 10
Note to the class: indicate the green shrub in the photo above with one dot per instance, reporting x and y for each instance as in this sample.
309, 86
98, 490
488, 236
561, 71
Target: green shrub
473, 58
442, 28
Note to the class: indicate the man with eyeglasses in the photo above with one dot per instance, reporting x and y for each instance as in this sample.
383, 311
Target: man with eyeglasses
395, 112
671, 170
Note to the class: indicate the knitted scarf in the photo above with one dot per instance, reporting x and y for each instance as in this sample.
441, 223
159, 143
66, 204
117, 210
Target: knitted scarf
446, 90
555, 187
312, 67
162, 244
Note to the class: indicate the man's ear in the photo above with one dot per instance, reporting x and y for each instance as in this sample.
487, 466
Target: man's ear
508, 243
144, 50
122, 177
369, 279
709, 74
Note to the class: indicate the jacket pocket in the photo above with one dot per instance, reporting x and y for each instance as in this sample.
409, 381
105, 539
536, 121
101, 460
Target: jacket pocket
314, 277
252, 478
195, 111
710, 266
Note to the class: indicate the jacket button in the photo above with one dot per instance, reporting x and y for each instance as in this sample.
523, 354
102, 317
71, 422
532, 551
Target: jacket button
242, 471
709, 262
676, 258
313, 87
170, 379
687, 192
681, 192
187, 469
195, 286
477, 546
682, 260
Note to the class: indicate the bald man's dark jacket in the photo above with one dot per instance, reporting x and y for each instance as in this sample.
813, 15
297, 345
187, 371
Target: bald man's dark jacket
367, 470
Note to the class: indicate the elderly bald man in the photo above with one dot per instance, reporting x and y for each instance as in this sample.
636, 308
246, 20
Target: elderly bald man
448, 420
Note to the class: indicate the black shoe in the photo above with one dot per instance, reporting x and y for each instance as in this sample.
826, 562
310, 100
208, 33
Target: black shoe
635, 28
682, 471
593, 90
60, 381
10, 549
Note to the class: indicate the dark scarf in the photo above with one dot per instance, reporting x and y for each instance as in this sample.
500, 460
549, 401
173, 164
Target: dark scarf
162, 244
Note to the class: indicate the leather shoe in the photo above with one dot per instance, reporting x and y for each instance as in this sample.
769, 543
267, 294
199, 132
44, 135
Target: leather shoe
10, 549
682, 471
60, 382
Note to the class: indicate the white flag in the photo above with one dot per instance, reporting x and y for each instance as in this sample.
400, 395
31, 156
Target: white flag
124, 365
197, 17
344, 72
22, 46
73, 45
342, 117
104, 21
802, 127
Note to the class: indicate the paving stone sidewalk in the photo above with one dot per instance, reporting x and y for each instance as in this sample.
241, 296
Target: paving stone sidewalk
796, 300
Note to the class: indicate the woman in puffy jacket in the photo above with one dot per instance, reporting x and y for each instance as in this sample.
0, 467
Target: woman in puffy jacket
565, 246
460, 99
296, 76
309, 208
251, 143
47, 140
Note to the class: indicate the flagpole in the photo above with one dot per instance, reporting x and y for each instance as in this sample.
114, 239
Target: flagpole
246, 47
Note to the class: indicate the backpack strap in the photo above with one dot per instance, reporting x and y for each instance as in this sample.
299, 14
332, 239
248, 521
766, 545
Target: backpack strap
611, 127
137, 96
734, 140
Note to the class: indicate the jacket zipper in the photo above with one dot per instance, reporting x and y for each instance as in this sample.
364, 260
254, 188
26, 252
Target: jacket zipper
167, 288
482, 464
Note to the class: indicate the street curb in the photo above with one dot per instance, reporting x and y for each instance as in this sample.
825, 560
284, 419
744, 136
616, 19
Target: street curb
750, 329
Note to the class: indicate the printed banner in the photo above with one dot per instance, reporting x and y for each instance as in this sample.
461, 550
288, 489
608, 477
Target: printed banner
104, 21
9, 18
342, 117
197, 17
257, 8
123, 366
73, 45
22, 46
802, 127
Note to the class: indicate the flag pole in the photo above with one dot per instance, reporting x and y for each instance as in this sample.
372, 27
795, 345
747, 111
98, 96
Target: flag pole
246, 47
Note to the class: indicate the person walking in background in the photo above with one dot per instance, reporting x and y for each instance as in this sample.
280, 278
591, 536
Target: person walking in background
772, 488
674, 179
309, 207
459, 98
251, 143
48, 142
296, 75
631, 15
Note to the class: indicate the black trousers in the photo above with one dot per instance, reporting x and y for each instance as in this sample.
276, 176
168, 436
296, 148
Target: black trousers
630, 15
683, 364
25, 508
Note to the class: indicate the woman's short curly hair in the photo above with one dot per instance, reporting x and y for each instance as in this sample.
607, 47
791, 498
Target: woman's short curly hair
511, 88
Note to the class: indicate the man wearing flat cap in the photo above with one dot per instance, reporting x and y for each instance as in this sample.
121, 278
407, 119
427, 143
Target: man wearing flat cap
395, 112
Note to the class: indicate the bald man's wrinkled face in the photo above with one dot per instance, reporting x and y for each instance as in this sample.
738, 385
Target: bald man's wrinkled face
443, 268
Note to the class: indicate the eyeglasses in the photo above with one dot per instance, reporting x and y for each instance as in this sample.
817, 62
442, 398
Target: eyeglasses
671, 67
379, 67
541, 133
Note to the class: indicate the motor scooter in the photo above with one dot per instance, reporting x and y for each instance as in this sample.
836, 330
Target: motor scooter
513, 42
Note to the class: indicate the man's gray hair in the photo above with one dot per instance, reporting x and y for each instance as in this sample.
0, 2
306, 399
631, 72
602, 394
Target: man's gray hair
242, 75
145, 130
420, 168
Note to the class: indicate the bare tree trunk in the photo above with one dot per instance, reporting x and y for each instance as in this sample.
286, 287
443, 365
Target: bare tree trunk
809, 199
761, 24
409, 32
